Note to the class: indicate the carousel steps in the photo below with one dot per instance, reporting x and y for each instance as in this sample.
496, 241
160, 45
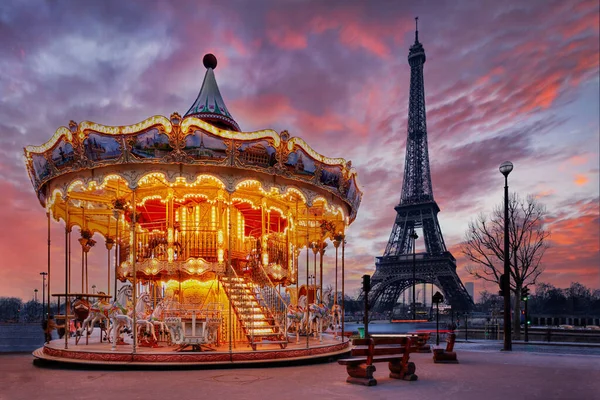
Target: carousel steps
256, 322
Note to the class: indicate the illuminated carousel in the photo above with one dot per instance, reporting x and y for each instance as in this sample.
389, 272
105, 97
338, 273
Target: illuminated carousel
214, 239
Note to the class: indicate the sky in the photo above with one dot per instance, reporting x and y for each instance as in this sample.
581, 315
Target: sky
508, 80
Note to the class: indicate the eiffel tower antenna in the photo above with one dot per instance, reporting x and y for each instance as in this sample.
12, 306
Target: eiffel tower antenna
399, 268
416, 29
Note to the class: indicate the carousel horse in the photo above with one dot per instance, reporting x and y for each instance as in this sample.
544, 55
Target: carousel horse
295, 315
81, 310
318, 313
157, 316
336, 317
142, 316
98, 312
118, 314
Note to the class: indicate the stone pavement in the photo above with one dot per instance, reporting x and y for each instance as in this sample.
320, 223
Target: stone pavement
481, 374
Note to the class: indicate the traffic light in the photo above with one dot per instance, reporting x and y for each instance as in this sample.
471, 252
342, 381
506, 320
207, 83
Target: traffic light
524, 293
366, 283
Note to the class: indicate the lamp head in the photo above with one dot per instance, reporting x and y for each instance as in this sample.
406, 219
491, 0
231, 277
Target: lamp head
506, 167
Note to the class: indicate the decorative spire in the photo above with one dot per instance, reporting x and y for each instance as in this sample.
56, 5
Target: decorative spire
209, 105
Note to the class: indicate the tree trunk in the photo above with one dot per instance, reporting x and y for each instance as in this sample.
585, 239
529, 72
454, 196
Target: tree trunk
516, 319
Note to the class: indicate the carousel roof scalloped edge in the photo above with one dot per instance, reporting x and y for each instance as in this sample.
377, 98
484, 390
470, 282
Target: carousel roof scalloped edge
344, 185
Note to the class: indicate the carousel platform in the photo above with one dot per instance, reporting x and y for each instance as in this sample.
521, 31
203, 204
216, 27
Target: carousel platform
100, 354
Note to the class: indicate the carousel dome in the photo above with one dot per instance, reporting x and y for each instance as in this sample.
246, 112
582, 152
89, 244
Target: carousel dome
209, 105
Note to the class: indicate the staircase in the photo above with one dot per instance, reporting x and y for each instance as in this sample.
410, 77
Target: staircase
257, 321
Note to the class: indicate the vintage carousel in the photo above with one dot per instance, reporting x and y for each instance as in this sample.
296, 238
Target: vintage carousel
214, 239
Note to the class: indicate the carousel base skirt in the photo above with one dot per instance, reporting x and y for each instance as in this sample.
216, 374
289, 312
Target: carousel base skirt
100, 354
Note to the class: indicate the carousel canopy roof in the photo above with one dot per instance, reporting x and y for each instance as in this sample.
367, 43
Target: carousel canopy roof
209, 105
85, 169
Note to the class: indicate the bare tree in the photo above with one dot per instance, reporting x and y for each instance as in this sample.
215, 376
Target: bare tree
484, 246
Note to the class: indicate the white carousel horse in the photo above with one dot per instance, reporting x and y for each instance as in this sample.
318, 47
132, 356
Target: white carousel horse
118, 314
158, 318
142, 316
295, 315
318, 313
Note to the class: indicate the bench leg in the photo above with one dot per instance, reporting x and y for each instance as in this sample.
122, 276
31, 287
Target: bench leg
444, 357
401, 371
361, 374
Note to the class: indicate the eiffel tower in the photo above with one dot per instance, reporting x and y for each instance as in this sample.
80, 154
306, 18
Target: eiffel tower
417, 209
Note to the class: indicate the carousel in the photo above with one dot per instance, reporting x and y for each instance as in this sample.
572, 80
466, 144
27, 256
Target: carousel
213, 239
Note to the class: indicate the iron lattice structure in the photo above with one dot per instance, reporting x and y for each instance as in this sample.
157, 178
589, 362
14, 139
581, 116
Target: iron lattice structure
417, 209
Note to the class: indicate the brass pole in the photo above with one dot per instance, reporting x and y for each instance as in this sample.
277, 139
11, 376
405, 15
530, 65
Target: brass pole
307, 267
67, 273
108, 257
133, 267
343, 278
48, 305
230, 277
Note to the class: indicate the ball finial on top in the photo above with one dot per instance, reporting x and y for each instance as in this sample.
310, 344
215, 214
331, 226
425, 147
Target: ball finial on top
210, 61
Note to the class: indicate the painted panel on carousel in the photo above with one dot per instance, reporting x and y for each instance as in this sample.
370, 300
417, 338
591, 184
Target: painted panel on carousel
353, 194
300, 163
150, 144
63, 155
101, 148
259, 153
331, 175
203, 146
40, 166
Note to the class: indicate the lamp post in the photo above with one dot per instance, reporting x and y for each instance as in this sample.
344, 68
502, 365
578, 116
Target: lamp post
414, 237
35, 295
43, 274
505, 168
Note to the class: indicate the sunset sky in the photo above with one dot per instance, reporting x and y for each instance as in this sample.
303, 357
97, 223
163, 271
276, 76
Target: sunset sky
511, 80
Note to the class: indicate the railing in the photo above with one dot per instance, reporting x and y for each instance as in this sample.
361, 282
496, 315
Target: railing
200, 243
241, 300
270, 297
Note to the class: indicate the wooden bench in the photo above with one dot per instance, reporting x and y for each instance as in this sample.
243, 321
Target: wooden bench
420, 340
393, 350
447, 355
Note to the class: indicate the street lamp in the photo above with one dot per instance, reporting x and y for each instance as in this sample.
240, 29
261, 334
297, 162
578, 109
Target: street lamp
505, 168
414, 237
43, 274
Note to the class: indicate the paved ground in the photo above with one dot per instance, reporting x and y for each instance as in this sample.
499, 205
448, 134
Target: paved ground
483, 373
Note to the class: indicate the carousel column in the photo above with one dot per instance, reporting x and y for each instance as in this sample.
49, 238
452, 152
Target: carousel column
170, 226
117, 250
230, 276
307, 284
343, 237
133, 267
48, 271
67, 272
322, 247
83, 241
264, 233
315, 251
289, 247
109, 244
336, 243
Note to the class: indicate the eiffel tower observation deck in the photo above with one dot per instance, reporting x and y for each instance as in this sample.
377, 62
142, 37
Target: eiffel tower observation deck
400, 267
